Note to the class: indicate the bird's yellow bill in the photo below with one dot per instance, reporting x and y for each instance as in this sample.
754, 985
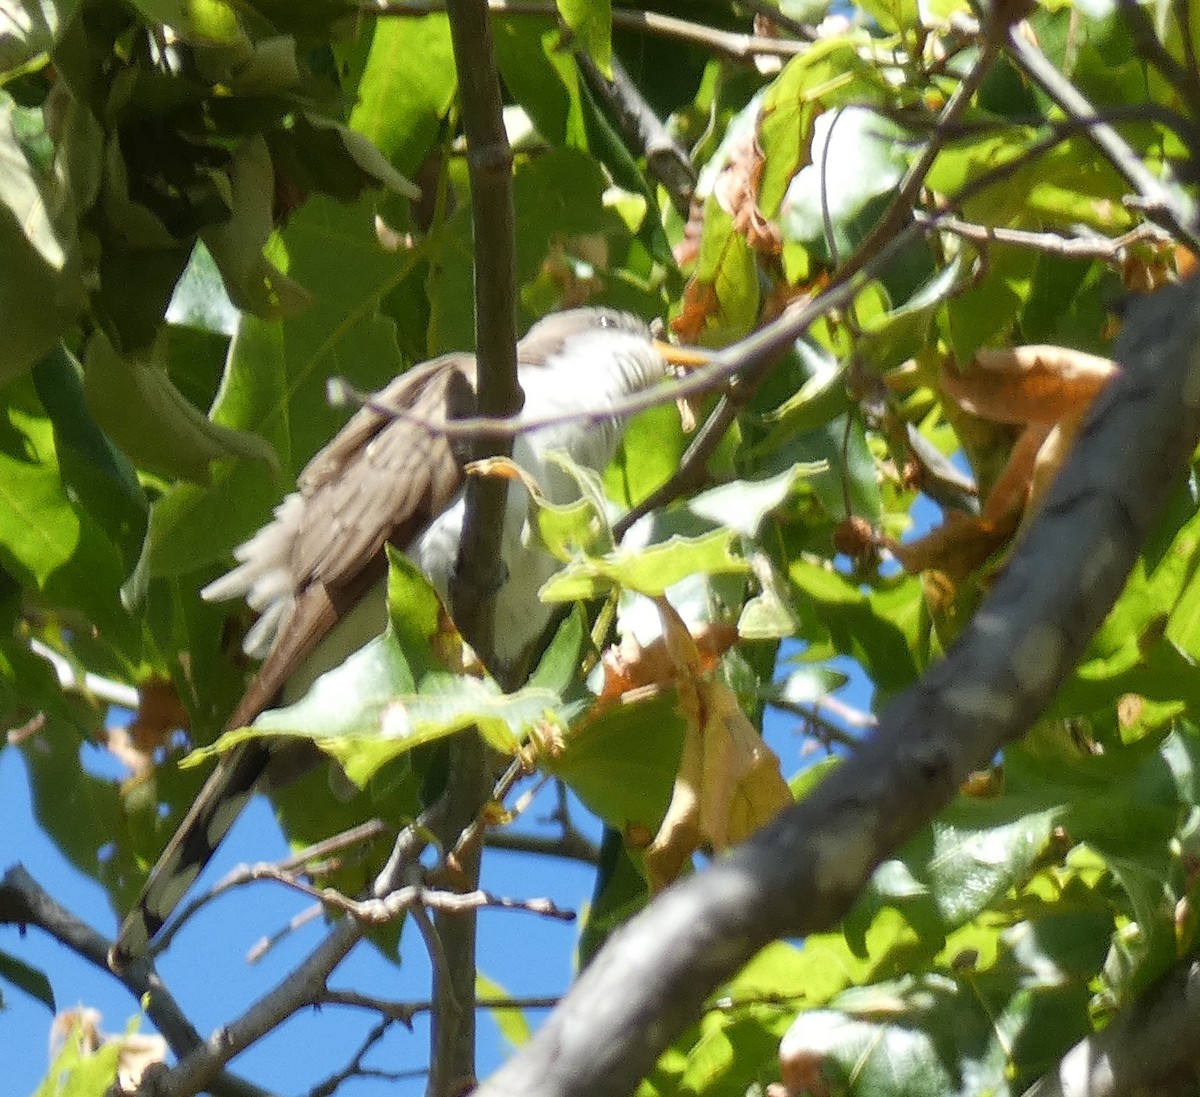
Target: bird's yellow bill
685, 357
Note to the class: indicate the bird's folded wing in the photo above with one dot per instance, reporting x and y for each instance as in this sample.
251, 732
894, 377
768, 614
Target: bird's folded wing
382, 479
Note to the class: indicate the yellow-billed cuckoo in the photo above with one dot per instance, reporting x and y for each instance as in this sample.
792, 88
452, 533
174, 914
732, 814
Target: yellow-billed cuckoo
316, 572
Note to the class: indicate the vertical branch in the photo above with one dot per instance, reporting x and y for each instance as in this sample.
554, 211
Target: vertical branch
479, 571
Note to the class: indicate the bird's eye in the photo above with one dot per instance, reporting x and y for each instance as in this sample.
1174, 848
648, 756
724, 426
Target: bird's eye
607, 320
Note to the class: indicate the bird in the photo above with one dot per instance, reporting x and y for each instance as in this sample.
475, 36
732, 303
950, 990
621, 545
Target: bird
316, 572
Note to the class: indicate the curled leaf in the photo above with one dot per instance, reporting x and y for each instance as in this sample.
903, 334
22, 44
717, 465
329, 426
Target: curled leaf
134, 401
1037, 384
729, 783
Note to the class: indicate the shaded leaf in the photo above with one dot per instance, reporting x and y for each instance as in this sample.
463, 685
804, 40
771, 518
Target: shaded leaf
135, 402
41, 290
32, 981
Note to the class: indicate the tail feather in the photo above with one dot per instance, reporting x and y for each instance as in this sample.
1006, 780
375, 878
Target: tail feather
205, 826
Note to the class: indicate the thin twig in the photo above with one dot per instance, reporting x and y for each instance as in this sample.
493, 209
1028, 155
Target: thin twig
242, 875
1103, 248
404, 1012
303, 986
571, 845
407, 899
1151, 50
773, 14
737, 47
355, 1068
1167, 205
642, 130
263, 945
817, 726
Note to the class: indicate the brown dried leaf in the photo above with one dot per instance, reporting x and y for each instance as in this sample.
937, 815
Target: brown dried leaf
159, 713
1037, 384
679, 836
743, 786
1185, 261
630, 666
736, 191
729, 783
700, 301
1010, 494
957, 548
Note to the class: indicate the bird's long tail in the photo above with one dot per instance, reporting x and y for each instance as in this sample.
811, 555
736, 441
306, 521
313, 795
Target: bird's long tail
209, 819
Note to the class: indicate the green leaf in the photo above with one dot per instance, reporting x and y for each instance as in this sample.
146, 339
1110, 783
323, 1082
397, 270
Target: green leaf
985, 313
39, 528
330, 158
30, 27
509, 1020
275, 381
201, 22
407, 88
361, 716
133, 399
975, 851
94, 471
647, 456
858, 158
622, 762
893, 338
828, 75
590, 21
728, 264
859, 625
78, 1071
41, 289
742, 505
542, 78
236, 244
649, 571
567, 530
395, 694
894, 15
32, 981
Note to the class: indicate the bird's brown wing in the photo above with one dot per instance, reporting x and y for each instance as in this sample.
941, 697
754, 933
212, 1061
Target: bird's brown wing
380, 480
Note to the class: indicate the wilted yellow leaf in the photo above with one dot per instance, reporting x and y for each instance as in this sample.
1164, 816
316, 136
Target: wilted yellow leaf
729, 783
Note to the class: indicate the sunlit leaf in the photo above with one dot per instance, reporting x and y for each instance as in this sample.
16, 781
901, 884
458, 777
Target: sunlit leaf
650, 571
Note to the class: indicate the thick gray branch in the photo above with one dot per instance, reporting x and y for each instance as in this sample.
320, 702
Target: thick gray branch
800, 875
1152, 1039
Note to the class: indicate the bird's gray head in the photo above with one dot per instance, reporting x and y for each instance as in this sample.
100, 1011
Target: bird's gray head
596, 339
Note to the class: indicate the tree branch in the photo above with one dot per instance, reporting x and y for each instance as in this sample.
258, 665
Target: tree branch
479, 572
24, 902
1166, 205
1152, 1038
800, 874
